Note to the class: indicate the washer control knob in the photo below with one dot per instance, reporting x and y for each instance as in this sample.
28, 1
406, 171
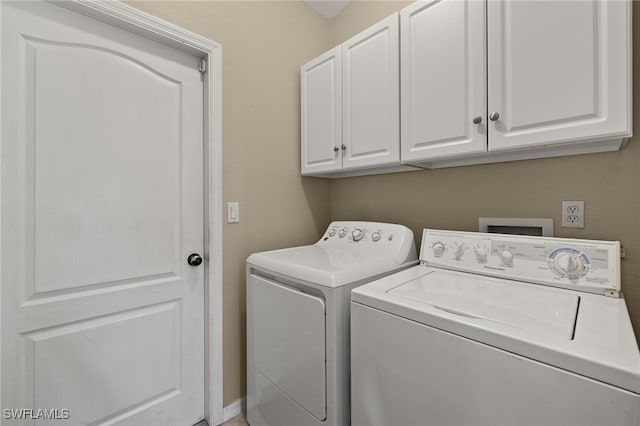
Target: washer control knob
438, 249
357, 234
342, 232
481, 254
459, 251
567, 263
332, 232
506, 257
376, 236
570, 265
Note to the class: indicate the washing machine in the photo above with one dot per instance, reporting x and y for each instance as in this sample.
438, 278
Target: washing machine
496, 329
298, 320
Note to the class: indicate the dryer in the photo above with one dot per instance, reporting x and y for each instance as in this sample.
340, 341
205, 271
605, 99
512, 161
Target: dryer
298, 320
496, 329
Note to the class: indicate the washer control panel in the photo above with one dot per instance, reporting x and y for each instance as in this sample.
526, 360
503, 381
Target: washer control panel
584, 265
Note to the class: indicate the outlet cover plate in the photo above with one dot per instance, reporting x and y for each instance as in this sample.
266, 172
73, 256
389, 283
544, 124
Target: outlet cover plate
573, 214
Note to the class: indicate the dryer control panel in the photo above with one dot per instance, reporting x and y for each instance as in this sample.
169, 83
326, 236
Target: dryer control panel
387, 239
583, 265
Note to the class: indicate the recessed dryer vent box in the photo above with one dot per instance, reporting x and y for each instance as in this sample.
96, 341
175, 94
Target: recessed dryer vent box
517, 226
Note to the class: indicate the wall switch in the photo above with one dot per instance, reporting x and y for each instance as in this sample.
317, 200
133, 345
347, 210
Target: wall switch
233, 212
573, 214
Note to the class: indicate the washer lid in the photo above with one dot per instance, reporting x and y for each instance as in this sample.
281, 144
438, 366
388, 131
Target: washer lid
603, 346
534, 308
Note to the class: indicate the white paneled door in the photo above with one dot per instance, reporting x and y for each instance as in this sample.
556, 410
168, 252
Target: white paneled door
102, 203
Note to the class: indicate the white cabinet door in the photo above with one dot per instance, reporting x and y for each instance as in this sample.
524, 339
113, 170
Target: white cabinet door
443, 57
558, 71
370, 78
321, 113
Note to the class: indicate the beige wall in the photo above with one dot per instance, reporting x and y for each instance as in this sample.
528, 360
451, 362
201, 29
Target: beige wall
454, 198
263, 45
359, 15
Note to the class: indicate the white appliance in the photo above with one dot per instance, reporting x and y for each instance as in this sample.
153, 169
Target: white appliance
495, 329
298, 320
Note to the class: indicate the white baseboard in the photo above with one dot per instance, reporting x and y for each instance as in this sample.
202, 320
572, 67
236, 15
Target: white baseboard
233, 409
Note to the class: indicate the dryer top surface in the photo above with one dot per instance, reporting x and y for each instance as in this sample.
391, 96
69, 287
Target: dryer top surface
326, 266
348, 252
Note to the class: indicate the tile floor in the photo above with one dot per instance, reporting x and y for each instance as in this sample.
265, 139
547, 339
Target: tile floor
236, 421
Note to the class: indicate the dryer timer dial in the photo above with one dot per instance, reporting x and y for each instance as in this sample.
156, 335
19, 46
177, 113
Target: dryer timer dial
357, 234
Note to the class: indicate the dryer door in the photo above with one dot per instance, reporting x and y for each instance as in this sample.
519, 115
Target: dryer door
289, 342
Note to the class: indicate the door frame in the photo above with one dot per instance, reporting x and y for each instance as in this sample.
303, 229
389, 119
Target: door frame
143, 24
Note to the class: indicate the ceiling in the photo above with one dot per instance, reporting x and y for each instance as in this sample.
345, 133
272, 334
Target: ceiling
327, 8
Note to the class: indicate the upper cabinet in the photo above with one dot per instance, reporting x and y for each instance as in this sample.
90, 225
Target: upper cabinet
559, 71
444, 83
321, 113
350, 111
456, 82
500, 80
371, 96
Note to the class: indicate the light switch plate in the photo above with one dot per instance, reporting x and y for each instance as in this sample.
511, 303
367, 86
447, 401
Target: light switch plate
233, 212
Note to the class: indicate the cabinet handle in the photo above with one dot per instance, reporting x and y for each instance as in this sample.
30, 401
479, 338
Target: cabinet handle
477, 120
344, 147
336, 149
494, 116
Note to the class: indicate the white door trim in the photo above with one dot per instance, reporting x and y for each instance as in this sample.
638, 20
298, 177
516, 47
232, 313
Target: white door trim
141, 23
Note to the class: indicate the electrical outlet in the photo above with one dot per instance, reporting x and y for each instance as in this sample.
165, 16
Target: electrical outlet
573, 214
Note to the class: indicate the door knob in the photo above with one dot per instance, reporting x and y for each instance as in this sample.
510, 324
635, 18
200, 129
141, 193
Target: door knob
336, 149
344, 147
194, 259
477, 120
494, 116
